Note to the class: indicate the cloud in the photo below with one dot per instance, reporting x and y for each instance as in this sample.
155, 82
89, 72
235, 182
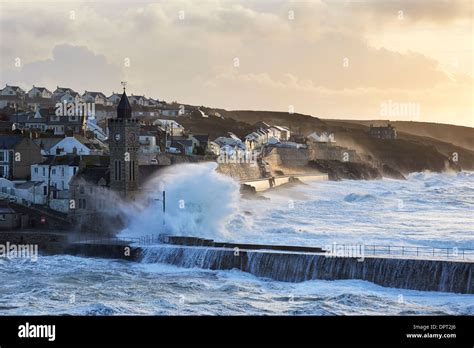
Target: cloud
70, 66
437, 11
184, 50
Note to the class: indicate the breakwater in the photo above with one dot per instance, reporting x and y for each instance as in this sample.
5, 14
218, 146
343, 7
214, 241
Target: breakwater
275, 181
285, 263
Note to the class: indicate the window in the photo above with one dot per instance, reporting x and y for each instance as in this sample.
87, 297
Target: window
118, 170
74, 170
3, 157
36, 170
82, 189
53, 171
82, 203
44, 171
45, 190
3, 172
62, 171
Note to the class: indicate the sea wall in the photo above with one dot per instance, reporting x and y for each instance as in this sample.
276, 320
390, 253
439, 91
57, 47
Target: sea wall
240, 171
281, 157
268, 183
426, 275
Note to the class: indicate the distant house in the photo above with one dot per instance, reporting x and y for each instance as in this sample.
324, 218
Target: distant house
231, 140
29, 192
12, 91
40, 93
279, 132
213, 148
94, 97
256, 139
55, 172
114, 99
172, 127
66, 95
17, 154
11, 96
137, 100
323, 137
201, 142
185, 145
387, 132
39, 97
172, 111
69, 146
87, 190
69, 97
62, 90
46, 119
148, 143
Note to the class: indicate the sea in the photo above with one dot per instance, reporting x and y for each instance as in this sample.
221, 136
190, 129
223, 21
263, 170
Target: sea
434, 210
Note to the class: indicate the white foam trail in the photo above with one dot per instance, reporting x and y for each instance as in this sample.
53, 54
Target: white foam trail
199, 202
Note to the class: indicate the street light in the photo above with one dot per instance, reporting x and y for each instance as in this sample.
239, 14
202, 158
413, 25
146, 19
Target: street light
163, 200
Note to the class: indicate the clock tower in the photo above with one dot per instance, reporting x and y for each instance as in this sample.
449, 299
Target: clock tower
123, 148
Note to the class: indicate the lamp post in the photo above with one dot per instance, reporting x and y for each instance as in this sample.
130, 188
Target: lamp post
163, 200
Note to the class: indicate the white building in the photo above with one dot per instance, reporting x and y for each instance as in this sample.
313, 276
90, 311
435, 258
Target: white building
170, 126
114, 99
55, 172
12, 91
94, 97
24, 192
70, 146
323, 137
137, 100
279, 132
148, 143
39, 92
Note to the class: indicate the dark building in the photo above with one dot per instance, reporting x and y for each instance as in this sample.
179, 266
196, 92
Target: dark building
17, 154
388, 132
123, 147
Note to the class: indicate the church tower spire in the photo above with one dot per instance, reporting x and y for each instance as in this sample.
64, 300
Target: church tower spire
123, 147
124, 110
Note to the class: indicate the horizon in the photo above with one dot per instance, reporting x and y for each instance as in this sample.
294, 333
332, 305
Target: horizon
326, 59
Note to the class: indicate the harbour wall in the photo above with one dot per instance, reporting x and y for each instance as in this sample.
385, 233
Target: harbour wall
298, 266
268, 183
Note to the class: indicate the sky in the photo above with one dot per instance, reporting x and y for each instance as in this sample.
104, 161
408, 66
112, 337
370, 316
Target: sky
374, 59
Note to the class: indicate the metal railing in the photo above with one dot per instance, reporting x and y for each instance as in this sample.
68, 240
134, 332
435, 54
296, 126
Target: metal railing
143, 240
401, 251
404, 251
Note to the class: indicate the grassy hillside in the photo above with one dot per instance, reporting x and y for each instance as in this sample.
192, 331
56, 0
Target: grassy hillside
409, 153
456, 135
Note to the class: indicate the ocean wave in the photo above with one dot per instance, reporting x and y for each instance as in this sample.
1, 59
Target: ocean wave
354, 197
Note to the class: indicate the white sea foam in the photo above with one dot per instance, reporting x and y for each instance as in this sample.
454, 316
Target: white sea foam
199, 202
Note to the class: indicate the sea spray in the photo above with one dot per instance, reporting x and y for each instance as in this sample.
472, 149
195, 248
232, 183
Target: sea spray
199, 202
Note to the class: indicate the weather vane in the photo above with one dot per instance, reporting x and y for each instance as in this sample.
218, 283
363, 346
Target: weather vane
124, 83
